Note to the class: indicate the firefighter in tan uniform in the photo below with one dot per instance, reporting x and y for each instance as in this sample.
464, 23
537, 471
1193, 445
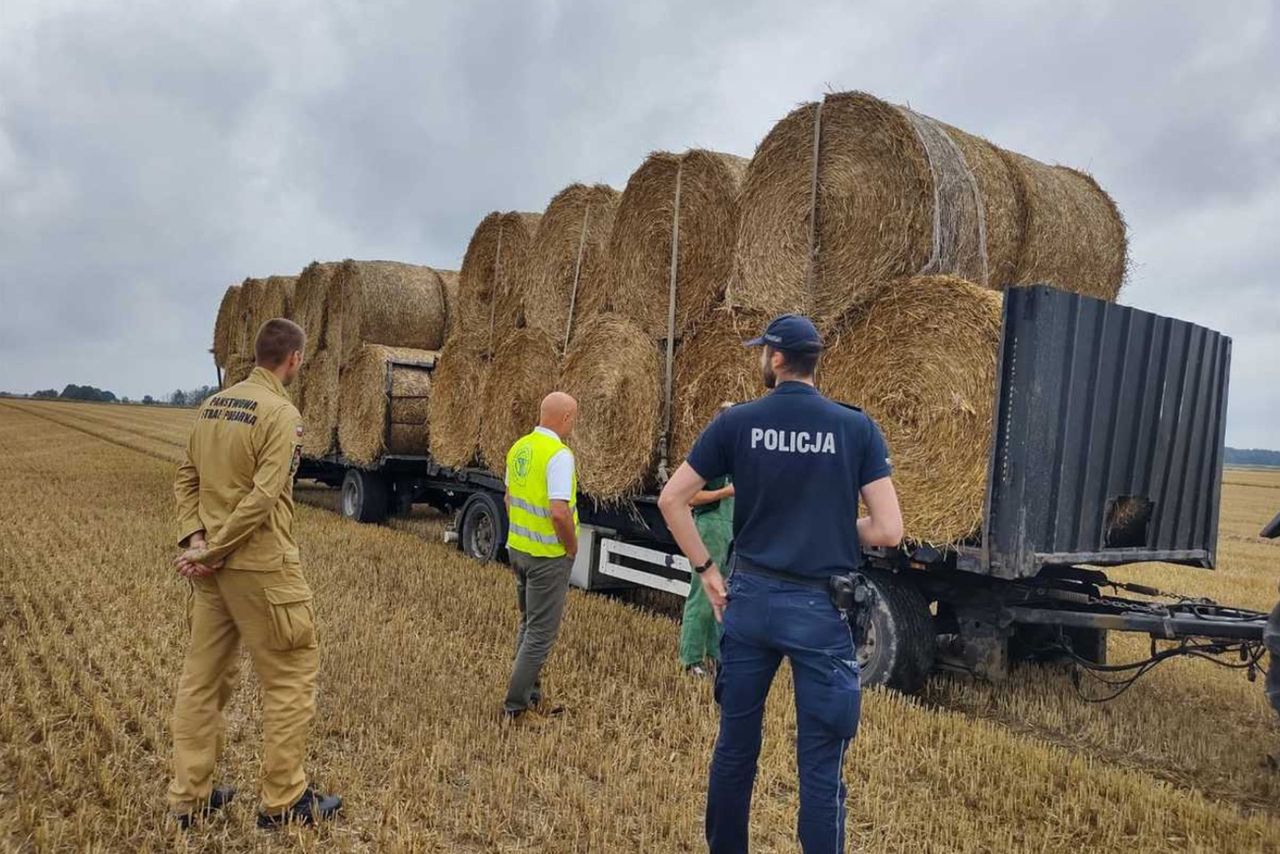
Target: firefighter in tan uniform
235, 520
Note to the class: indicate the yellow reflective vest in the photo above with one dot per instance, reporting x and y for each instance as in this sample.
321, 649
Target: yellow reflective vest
529, 504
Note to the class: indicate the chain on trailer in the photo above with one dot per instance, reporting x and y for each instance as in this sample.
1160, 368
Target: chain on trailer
1115, 679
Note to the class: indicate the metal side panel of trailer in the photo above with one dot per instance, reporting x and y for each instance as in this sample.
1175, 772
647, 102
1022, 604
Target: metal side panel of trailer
1109, 431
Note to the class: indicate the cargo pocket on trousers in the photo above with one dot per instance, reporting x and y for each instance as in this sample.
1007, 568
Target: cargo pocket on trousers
841, 703
293, 616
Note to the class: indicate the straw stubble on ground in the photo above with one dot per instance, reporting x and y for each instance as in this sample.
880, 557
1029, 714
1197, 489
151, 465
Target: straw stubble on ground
415, 649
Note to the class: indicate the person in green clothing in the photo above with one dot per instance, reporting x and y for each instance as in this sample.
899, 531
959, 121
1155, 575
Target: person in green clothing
699, 631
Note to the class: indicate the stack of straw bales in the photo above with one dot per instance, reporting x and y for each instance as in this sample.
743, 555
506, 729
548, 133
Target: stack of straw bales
369, 423
486, 315
362, 314
894, 231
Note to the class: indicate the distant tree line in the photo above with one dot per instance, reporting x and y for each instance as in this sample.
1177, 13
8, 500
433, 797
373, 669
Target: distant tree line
1252, 457
180, 397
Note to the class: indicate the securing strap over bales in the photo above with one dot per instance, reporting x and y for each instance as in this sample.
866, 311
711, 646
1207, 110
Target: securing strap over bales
577, 275
664, 441
497, 288
959, 216
811, 270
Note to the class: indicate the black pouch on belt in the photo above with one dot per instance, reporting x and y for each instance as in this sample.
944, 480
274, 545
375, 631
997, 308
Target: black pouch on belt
854, 597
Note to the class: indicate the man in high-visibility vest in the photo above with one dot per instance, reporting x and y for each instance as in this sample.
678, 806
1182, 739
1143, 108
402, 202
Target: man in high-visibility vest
542, 540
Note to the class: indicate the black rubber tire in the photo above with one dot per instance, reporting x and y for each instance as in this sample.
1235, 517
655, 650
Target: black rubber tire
902, 641
365, 497
483, 532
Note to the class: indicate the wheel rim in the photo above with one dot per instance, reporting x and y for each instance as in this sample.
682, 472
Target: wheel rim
349, 501
867, 649
482, 535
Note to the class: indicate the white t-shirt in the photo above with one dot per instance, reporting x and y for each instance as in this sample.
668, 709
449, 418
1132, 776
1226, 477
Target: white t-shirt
559, 471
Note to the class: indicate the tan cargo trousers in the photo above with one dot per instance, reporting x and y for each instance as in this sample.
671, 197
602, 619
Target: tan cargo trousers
274, 615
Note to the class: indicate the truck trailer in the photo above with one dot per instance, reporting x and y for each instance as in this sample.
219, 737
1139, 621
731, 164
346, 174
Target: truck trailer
1106, 450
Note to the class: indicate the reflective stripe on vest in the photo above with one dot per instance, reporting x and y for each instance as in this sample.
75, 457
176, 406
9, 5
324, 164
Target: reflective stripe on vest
529, 503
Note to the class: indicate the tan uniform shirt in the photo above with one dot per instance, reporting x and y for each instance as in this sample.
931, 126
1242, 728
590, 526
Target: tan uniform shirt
236, 484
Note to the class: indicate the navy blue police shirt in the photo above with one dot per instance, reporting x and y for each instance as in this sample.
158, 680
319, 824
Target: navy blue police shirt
798, 461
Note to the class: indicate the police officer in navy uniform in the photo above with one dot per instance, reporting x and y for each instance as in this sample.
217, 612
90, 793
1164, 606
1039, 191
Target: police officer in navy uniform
799, 463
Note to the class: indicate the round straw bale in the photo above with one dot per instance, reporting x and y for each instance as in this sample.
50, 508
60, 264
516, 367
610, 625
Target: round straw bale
227, 319
494, 255
244, 333
238, 368
311, 303
388, 303
528, 363
613, 370
265, 299
371, 425
572, 240
874, 209
1073, 233
319, 399
712, 367
454, 410
638, 283
922, 362
449, 282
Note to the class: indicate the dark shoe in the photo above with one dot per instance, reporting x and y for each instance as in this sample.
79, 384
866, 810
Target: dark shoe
218, 799
308, 809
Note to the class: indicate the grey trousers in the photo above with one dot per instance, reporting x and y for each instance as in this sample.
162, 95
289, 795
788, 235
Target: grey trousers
542, 586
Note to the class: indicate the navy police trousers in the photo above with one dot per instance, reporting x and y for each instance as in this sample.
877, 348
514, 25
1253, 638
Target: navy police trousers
765, 620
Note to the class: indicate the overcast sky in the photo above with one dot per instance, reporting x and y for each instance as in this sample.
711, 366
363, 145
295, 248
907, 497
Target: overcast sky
151, 153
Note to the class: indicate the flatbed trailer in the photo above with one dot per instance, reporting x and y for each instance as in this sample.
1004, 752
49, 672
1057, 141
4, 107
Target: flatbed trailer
1107, 450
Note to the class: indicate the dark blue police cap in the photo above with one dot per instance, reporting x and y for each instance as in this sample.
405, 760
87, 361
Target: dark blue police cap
792, 332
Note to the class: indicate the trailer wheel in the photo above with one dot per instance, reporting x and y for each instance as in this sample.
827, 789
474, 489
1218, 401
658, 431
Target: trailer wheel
901, 643
483, 533
365, 496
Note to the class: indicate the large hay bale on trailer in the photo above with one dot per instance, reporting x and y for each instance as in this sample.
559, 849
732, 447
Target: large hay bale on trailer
713, 367
311, 303
638, 281
528, 362
319, 396
897, 194
613, 369
388, 303
371, 424
1073, 234
922, 362
266, 299
454, 411
228, 317
568, 252
487, 297
238, 368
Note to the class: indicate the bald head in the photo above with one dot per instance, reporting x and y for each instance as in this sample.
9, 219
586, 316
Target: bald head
558, 413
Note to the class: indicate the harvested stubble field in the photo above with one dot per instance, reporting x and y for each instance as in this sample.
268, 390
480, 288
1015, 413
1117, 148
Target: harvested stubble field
415, 648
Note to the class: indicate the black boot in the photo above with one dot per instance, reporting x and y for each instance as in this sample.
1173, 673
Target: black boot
308, 809
218, 799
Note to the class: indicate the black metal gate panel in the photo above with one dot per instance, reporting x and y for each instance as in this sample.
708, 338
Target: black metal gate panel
1109, 433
